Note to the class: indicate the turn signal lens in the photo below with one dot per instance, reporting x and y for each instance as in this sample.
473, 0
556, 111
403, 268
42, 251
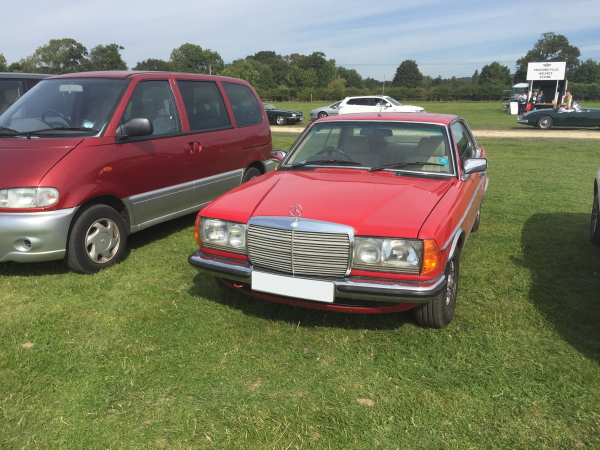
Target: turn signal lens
431, 256
197, 231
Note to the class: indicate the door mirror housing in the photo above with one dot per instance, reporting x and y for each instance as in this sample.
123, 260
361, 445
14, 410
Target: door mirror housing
139, 126
474, 165
278, 155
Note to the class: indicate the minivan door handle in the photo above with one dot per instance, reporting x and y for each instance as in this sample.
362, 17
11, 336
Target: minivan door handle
193, 147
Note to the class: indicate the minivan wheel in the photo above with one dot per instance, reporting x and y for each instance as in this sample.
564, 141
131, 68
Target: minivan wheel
251, 174
595, 222
280, 120
97, 239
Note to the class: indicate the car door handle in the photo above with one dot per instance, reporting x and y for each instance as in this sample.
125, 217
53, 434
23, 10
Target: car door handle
193, 147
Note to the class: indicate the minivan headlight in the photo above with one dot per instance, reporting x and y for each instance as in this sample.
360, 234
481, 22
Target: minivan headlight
223, 235
28, 197
395, 255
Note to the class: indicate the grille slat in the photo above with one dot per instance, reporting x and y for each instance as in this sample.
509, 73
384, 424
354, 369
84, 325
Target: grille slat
299, 252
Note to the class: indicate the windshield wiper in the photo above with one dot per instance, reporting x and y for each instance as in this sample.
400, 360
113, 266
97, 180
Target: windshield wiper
7, 131
415, 163
328, 161
91, 130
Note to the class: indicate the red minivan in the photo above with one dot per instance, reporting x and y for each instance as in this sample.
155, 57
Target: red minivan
88, 158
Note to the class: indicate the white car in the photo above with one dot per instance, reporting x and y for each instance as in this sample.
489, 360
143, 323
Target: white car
373, 103
325, 111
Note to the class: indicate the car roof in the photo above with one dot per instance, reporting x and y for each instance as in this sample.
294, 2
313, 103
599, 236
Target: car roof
140, 73
33, 76
443, 119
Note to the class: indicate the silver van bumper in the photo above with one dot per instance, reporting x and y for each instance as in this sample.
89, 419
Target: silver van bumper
35, 236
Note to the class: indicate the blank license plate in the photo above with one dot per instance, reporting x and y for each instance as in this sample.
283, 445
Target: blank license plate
320, 291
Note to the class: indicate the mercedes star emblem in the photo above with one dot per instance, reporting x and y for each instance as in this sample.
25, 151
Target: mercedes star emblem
295, 210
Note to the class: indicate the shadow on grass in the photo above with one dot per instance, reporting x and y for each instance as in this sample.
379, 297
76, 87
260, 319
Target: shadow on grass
134, 241
565, 269
206, 286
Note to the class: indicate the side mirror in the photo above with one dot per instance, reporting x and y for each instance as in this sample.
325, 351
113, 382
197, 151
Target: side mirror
278, 155
474, 165
135, 127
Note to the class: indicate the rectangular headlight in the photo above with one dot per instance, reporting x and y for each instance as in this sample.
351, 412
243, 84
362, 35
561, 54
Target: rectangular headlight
28, 197
223, 235
388, 255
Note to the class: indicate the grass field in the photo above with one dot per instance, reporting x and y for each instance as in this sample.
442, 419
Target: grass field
479, 115
151, 354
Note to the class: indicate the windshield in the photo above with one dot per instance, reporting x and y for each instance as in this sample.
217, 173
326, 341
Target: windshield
406, 146
67, 105
268, 106
393, 102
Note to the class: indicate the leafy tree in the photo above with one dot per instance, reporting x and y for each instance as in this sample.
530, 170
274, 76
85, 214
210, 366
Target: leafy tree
550, 47
408, 75
192, 58
279, 67
587, 72
264, 56
437, 81
301, 78
58, 56
157, 65
475, 78
15, 67
3, 64
106, 57
372, 83
352, 77
256, 73
495, 73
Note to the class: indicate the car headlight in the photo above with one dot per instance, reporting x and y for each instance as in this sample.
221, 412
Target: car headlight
293, 115
223, 235
396, 255
28, 197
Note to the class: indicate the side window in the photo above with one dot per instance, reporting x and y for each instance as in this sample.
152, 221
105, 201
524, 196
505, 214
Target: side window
204, 105
243, 102
154, 101
352, 101
466, 149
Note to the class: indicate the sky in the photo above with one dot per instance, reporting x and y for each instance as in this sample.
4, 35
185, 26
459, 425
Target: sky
447, 38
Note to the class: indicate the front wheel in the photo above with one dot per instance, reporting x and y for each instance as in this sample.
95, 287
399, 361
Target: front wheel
595, 222
322, 114
544, 123
477, 221
280, 120
438, 313
97, 239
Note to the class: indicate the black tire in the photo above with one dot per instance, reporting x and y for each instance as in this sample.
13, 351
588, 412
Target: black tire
251, 174
322, 114
438, 313
545, 123
595, 222
97, 239
477, 221
280, 120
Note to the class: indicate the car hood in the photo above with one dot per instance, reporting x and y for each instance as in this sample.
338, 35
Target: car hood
24, 162
286, 111
374, 203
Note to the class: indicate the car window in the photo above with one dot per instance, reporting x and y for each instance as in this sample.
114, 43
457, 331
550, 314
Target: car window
244, 104
153, 100
466, 148
269, 107
203, 104
10, 91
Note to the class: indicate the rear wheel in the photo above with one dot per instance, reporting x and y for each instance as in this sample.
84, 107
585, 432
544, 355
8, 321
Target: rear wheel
97, 239
545, 123
595, 222
322, 114
438, 313
251, 174
280, 120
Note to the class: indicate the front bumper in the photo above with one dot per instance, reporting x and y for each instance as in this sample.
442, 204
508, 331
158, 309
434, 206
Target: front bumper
35, 236
523, 121
359, 288
295, 119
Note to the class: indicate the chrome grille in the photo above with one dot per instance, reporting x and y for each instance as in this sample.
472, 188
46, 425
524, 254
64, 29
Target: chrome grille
299, 252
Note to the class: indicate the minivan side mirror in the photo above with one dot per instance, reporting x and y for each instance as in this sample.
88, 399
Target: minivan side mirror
139, 126
278, 155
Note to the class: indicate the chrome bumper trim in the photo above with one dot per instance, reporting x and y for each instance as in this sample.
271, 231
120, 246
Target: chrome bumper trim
374, 289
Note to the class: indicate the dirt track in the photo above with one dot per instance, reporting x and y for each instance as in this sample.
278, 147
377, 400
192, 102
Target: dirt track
525, 132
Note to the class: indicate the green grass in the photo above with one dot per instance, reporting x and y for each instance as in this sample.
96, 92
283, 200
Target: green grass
479, 115
151, 354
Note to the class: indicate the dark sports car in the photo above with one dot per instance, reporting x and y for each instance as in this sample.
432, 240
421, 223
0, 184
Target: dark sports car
576, 117
282, 116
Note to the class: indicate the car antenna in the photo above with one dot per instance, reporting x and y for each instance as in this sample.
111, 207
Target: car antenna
381, 102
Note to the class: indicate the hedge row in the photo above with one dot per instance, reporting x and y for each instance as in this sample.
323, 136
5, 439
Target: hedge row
443, 92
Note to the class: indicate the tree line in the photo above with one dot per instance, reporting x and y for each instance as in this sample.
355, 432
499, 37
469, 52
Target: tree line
314, 77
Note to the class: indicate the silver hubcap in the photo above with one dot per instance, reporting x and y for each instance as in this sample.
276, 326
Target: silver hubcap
450, 290
545, 123
102, 241
280, 120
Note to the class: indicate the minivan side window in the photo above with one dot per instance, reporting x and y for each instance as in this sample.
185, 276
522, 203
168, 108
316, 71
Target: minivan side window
243, 102
466, 149
154, 101
204, 105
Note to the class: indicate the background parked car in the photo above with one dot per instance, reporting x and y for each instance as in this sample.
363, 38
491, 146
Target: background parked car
374, 103
88, 158
13, 85
595, 222
282, 116
545, 119
325, 111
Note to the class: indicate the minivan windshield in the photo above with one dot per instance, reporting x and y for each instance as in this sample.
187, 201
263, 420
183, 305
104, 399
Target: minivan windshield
374, 145
66, 106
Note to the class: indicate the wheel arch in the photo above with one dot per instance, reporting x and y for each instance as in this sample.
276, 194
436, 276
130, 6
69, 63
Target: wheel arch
109, 200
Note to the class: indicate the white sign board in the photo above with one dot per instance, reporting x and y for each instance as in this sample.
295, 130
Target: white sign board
546, 71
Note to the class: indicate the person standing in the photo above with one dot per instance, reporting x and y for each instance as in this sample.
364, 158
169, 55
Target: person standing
522, 99
541, 98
